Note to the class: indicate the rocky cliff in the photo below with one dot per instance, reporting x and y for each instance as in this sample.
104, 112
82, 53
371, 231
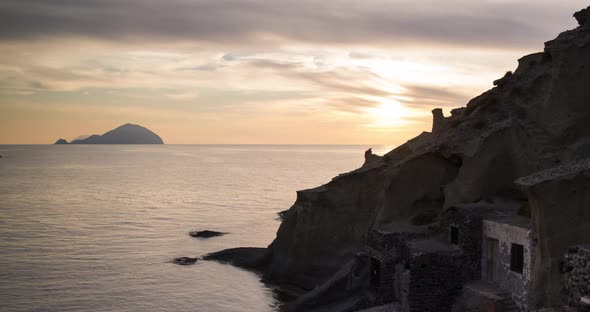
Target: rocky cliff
534, 118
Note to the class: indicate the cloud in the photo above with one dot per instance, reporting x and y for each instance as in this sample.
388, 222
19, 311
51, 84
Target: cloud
228, 57
353, 105
343, 80
431, 95
351, 89
514, 24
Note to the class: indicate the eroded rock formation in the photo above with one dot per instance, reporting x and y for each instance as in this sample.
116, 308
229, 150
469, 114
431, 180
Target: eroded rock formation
535, 118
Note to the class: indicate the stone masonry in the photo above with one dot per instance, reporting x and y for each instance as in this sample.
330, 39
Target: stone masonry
430, 282
576, 270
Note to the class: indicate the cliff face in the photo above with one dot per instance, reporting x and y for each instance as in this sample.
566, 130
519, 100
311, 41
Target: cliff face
535, 118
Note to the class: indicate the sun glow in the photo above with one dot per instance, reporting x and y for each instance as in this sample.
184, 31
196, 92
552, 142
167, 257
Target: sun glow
391, 113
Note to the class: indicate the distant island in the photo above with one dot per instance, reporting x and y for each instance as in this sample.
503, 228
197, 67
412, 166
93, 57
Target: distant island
125, 134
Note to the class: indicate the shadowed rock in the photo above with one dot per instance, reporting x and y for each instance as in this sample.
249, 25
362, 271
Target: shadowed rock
282, 214
502, 81
371, 158
61, 141
206, 234
583, 16
246, 257
185, 260
437, 119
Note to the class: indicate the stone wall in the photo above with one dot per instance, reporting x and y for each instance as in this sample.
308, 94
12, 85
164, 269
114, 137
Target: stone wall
576, 269
468, 221
384, 292
508, 231
386, 245
431, 279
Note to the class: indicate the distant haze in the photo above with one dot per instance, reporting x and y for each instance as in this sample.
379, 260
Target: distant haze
313, 72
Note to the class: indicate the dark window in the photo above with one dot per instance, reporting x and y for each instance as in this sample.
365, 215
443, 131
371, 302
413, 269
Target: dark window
517, 258
375, 272
454, 235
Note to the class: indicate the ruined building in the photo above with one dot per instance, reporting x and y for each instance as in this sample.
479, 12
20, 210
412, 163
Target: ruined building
491, 255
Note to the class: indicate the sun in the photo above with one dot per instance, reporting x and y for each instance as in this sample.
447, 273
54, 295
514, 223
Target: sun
389, 114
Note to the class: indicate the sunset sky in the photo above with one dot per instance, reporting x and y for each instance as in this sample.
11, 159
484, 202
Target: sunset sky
279, 72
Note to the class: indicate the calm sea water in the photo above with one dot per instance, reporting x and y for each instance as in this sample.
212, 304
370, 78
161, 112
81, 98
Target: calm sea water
93, 228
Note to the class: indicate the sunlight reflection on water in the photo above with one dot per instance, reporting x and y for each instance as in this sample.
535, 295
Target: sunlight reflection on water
93, 228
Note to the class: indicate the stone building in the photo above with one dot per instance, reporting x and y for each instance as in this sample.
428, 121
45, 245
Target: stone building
386, 247
560, 207
463, 225
507, 256
431, 278
489, 255
495, 242
408, 268
522, 259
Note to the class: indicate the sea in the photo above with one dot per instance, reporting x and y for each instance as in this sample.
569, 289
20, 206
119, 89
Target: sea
95, 227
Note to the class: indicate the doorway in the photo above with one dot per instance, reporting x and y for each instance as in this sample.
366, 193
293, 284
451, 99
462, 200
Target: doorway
375, 273
493, 260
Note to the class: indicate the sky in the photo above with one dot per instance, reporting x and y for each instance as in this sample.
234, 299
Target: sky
257, 71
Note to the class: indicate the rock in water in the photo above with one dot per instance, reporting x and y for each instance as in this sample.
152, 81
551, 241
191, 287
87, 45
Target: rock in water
61, 141
245, 257
185, 260
206, 234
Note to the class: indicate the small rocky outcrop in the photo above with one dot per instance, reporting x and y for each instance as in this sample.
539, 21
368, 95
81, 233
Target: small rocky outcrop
438, 119
370, 158
206, 234
245, 257
281, 215
583, 17
502, 81
185, 260
61, 141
